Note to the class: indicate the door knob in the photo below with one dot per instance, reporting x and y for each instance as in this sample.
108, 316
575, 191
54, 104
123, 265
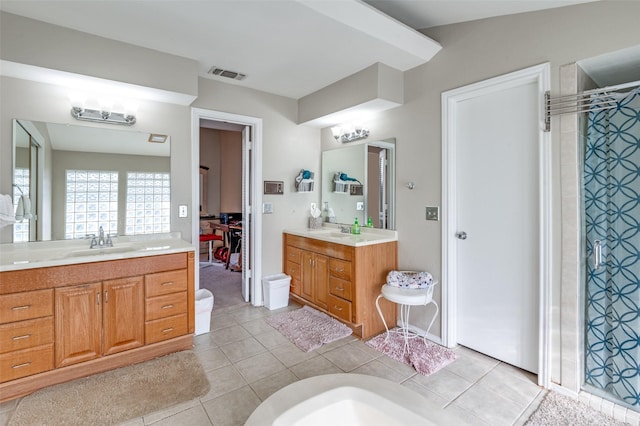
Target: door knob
461, 235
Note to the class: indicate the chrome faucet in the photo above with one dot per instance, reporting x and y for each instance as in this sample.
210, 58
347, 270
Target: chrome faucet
101, 237
100, 240
345, 229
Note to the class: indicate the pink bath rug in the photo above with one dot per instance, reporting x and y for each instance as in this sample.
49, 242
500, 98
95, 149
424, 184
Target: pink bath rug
308, 328
426, 358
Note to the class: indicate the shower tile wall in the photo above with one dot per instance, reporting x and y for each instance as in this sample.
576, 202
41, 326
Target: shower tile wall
570, 375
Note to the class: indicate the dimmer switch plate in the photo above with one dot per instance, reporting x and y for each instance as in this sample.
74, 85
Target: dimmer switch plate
433, 213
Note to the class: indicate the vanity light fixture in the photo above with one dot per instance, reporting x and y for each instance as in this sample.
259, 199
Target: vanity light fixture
157, 138
99, 116
349, 135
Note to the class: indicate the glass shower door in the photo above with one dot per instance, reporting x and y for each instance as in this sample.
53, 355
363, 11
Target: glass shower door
612, 230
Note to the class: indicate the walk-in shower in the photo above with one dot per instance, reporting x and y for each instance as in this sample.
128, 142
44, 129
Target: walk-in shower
611, 230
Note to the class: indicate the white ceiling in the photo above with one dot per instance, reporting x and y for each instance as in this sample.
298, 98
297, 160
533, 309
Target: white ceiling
285, 47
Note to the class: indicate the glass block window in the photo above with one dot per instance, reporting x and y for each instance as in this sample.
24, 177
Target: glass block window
148, 203
20, 229
92, 201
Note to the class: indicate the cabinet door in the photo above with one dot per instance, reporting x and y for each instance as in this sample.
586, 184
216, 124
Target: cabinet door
321, 279
123, 314
78, 324
307, 274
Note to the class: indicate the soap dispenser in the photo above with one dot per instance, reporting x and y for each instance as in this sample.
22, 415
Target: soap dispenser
355, 228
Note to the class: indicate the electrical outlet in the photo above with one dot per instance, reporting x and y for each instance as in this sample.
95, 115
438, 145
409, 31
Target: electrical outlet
359, 205
182, 210
433, 213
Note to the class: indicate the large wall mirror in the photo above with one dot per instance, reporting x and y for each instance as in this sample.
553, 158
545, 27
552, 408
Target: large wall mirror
367, 187
79, 178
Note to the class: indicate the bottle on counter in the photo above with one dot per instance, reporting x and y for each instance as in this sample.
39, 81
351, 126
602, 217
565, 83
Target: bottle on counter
355, 228
369, 222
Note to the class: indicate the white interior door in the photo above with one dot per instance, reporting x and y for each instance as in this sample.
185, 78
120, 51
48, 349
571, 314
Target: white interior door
246, 213
494, 221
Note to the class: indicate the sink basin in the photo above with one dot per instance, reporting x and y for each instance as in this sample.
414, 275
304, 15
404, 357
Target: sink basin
339, 235
101, 250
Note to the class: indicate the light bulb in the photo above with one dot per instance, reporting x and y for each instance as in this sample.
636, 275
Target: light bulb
336, 131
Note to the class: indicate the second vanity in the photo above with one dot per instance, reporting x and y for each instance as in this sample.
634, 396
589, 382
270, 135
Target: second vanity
67, 311
341, 274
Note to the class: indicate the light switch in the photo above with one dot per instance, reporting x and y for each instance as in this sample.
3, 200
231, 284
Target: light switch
433, 213
267, 208
182, 210
359, 205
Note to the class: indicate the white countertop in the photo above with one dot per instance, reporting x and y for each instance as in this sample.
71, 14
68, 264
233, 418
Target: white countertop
18, 256
331, 233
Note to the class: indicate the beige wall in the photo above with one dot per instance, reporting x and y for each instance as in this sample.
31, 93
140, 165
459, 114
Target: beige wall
210, 157
221, 152
230, 171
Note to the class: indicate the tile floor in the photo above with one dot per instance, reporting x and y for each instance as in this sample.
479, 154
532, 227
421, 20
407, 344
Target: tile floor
246, 361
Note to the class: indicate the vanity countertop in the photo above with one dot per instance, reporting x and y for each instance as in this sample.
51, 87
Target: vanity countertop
65, 252
331, 233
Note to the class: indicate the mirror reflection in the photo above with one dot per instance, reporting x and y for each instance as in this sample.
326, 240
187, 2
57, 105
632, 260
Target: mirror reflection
358, 181
76, 179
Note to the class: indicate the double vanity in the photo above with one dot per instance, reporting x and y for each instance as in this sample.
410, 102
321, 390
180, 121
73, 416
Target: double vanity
69, 311
341, 274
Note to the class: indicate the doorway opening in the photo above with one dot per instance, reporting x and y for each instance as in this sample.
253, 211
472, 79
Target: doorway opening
226, 160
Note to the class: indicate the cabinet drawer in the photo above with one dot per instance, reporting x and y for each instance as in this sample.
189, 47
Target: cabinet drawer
26, 334
165, 283
26, 362
166, 306
293, 254
340, 308
340, 288
165, 328
27, 305
294, 270
340, 269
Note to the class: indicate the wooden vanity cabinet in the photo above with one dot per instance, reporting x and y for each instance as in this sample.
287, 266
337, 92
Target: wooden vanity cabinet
314, 278
26, 334
98, 319
57, 326
166, 305
340, 280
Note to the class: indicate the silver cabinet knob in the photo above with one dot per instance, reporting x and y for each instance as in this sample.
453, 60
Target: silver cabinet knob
461, 235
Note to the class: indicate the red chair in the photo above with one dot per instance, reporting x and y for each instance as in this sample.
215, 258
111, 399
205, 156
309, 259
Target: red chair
210, 238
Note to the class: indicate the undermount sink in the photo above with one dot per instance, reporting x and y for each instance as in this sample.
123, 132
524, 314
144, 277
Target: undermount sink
101, 250
340, 235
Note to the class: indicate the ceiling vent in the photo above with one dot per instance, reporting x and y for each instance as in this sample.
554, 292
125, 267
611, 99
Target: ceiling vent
226, 73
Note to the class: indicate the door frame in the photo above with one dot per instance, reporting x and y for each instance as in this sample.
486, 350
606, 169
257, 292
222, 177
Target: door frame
539, 74
255, 227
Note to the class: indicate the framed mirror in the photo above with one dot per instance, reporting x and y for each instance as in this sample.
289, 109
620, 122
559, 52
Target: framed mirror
358, 181
79, 178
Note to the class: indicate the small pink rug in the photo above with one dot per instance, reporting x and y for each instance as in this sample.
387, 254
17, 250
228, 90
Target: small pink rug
425, 358
308, 328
